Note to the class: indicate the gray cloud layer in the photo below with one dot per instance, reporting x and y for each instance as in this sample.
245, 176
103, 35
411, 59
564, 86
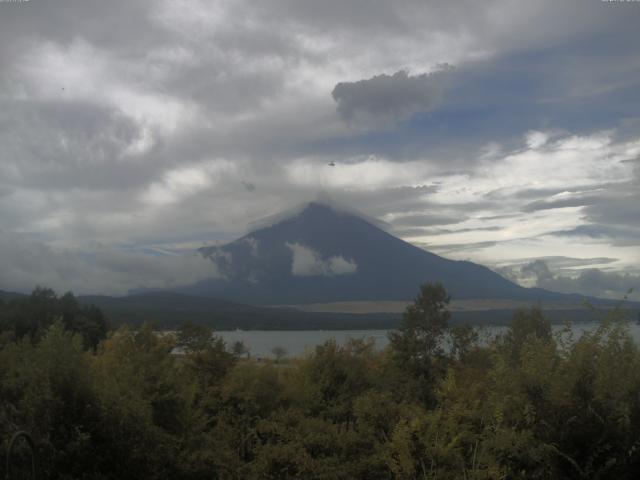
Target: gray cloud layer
156, 124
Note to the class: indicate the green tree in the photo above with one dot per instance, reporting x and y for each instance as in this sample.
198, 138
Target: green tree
279, 353
206, 354
333, 377
145, 402
239, 349
88, 321
31, 316
417, 344
462, 339
526, 326
423, 324
47, 390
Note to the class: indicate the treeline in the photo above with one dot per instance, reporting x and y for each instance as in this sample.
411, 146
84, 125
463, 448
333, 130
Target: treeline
525, 405
31, 317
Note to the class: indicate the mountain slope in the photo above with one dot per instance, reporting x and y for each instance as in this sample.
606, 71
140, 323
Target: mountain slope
325, 255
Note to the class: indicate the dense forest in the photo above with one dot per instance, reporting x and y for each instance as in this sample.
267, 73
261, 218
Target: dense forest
104, 404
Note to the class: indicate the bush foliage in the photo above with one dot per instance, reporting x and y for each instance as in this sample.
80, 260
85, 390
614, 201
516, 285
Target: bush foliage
133, 404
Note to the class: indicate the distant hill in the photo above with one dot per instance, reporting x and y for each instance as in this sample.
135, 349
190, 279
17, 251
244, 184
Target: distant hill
10, 295
323, 254
170, 310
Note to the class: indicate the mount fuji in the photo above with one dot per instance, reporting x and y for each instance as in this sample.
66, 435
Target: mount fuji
323, 254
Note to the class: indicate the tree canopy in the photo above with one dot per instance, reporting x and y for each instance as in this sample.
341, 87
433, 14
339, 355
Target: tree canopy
436, 403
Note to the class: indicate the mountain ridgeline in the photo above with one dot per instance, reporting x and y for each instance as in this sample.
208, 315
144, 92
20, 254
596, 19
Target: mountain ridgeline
323, 254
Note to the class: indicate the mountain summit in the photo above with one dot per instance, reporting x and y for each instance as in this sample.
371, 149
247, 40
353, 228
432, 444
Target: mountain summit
323, 254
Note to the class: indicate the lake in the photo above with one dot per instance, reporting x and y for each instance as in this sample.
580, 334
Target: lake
299, 342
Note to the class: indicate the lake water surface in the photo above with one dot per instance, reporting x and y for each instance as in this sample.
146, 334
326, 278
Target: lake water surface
300, 342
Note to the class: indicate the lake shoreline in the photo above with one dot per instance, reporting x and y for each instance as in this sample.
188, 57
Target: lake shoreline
299, 343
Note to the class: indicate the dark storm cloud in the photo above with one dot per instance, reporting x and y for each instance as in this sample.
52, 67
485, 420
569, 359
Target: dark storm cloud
386, 99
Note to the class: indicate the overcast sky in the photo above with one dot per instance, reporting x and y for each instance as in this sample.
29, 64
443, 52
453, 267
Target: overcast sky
504, 132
